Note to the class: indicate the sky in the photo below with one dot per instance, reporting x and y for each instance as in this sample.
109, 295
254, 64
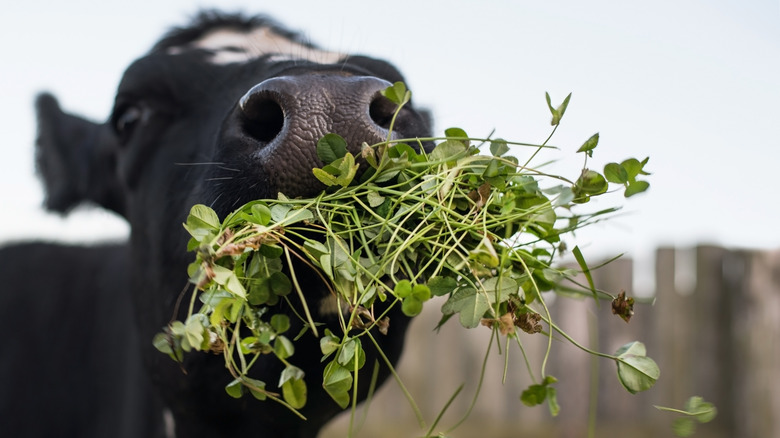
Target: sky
693, 84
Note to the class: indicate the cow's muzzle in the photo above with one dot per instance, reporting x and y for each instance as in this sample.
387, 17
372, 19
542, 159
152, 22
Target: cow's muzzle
281, 119
293, 112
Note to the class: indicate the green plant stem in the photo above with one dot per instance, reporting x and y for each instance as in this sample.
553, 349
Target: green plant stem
506, 361
540, 147
306, 311
525, 359
479, 385
594, 379
370, 395
680, 411
577, 344
547, 313
354, 397
398, 380
443, 410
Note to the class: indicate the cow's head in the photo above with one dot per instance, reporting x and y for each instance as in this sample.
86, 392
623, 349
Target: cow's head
231, 107
224, 111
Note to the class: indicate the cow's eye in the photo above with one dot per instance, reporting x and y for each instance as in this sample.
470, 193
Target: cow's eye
127, 119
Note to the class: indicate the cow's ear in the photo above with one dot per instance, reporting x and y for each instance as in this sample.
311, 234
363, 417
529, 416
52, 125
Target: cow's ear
76, 159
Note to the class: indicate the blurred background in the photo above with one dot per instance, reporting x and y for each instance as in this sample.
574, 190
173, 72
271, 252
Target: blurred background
691, 84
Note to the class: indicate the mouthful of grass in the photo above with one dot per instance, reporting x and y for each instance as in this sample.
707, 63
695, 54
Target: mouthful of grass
467, 222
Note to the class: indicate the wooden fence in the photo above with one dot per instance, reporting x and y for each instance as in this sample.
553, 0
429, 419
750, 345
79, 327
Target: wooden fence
713, 328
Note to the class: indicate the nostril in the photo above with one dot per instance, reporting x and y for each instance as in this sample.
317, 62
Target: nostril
263, 118
381, 110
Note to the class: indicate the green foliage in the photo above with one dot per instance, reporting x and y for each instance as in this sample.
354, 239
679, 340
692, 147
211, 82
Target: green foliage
539, 393
330, 148
397, 93
636, 371
481, 231
590, 144
557, 113
696, 410
626, 173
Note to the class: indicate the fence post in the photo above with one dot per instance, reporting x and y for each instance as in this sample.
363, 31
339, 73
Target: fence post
754, 338
674, 331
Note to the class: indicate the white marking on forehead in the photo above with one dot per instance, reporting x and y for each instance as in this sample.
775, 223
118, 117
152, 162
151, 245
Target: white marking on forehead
231, 45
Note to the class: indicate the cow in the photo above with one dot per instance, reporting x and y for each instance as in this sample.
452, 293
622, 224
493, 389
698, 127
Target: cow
222, 111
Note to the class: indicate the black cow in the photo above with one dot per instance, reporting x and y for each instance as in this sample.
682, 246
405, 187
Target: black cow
221, 112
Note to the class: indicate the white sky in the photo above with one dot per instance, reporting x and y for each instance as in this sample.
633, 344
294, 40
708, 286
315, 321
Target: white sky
692, 84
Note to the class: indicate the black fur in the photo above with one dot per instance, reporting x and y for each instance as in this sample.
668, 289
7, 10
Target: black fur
70, 365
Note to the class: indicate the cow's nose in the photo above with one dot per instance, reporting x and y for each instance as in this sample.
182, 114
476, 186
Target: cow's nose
295, 111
